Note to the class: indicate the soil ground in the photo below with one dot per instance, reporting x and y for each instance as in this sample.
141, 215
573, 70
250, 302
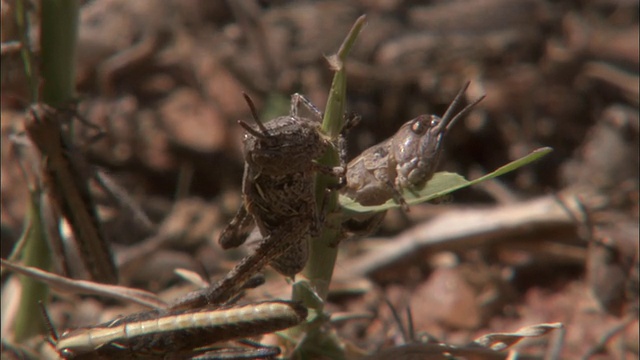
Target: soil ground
555, 241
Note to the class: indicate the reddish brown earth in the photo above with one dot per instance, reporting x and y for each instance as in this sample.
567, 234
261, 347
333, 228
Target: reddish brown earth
165, 81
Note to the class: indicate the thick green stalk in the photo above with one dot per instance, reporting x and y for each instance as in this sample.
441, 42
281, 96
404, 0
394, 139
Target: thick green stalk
58, 34
323, 251
314, 288
58, 37
22, 19
36, 253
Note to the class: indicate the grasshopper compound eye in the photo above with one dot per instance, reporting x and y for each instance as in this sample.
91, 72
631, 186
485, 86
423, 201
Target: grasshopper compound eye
423, 123
435, 121
418, 127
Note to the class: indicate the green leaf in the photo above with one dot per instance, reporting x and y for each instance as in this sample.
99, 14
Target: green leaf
332, 122
441, 184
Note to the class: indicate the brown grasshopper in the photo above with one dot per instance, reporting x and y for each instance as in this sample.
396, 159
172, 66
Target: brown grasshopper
278, 195
166, 333
407, 160
67, 183
182, 334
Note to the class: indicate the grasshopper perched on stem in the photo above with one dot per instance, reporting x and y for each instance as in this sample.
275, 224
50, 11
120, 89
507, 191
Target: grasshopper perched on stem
406, 160
278, 195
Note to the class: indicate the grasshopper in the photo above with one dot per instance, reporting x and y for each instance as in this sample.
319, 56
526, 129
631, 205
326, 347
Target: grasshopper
182, 334
66, 176
166, 333
278, 196
406, 160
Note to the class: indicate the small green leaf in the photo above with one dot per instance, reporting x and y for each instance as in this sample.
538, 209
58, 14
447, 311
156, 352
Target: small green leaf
302, 290
441, 184
332, 122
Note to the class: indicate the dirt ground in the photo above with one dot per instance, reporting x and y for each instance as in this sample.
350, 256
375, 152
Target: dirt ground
555, 241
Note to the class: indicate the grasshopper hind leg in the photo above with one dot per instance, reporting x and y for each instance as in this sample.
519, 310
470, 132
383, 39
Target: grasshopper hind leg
236, 233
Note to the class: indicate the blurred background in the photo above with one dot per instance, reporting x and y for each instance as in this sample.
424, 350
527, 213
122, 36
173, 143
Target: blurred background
164, 80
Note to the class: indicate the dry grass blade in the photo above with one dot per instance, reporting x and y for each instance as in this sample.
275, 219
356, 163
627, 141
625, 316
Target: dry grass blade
487, 347
192, 277
62, 283
122, 198
501, 341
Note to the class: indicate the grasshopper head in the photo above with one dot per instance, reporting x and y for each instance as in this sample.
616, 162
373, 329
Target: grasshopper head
419, 142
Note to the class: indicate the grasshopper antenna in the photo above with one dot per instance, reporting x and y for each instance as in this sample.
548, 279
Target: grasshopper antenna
465, 111
449, 119
53, 335
263, 129
454, 104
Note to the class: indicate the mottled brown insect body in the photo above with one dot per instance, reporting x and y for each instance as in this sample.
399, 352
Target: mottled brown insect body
278, 195
407, 160
278, 179
278, 185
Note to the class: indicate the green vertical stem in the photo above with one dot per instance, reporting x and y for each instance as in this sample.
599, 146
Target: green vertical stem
58, 37
22, 19
36, 253
323, 251
58, 34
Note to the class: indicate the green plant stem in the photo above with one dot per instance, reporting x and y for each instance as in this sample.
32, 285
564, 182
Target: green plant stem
22, 20
332, 122
323, 251
58, 37
36, 252
58, 34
